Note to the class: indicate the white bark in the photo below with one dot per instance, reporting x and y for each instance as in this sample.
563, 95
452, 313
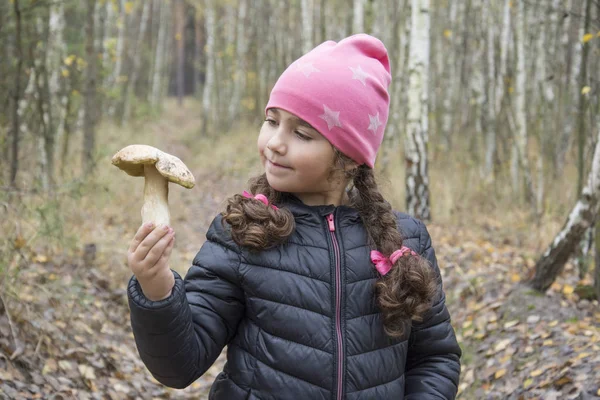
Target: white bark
209, 80
159, 55
307, 25
120, 52
239, 80
358, 20
137, 58
490, 147
504, 48
417, 179
520, 142
580, 219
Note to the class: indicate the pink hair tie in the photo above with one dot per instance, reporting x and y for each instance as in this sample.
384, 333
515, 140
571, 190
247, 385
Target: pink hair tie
384, 264
260, 197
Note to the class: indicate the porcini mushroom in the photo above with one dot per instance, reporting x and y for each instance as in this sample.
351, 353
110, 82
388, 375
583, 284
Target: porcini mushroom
158, 168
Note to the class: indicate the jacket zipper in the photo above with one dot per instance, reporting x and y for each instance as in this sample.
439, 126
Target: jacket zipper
338, 303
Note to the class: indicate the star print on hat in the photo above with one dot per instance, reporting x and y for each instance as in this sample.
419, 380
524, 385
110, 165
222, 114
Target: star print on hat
341, 89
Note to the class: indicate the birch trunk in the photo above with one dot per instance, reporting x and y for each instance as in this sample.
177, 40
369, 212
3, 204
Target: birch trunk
207, 105
239, 81
490, 147
581, 218
417, 178
521, 108
89, 106
137, 58
307, 25
120, 53
358, 20
180, 43
161, 48
18, 54
571, 40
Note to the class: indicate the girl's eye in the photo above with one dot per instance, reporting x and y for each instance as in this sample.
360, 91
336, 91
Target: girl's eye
271, 122
301, 136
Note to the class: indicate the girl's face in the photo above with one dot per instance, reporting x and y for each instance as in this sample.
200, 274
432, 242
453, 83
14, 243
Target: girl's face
298, 159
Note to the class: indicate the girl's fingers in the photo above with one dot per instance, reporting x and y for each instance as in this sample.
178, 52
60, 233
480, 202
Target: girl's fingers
142, 232
150, 242
164, 258
158, 250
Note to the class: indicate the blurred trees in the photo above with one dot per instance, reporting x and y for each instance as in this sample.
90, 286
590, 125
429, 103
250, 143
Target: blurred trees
510, 86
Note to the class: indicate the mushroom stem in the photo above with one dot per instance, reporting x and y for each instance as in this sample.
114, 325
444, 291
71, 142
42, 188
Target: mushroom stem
156, 193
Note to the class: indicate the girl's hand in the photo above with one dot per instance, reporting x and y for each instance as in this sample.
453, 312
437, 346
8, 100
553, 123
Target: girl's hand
148, 259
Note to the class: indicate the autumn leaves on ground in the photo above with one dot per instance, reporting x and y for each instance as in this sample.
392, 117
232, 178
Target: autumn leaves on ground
64, 327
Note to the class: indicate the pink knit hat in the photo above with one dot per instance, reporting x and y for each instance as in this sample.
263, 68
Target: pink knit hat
341, 90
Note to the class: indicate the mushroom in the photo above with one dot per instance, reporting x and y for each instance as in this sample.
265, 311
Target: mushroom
158, 168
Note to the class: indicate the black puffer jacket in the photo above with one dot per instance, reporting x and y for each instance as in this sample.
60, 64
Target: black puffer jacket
299, 321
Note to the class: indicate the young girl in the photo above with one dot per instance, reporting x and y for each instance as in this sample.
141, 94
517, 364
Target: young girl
317, 291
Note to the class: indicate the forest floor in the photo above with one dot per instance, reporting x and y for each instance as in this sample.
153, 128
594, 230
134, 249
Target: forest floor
64, 320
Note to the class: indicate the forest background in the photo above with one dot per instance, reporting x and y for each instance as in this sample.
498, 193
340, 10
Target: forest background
492, 139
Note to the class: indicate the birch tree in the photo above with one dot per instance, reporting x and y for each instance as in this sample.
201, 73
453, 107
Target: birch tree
209, 82
417, 178
307, 25
358, 20
581, 218
239, 81
137, 57
89, 110
520, 144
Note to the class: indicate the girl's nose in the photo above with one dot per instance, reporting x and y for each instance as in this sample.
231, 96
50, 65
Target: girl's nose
276, 143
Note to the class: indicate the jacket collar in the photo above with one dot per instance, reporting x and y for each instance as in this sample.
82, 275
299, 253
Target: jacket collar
299, 209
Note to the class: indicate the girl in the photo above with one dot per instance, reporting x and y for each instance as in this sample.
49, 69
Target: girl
317, 291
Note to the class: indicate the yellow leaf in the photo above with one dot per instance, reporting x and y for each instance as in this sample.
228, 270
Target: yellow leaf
568, 289
598, 392
19, 242
447, 33
515, 278
510, 324
527, 383
587, 37
40, 258
511, 89
553, 323
583, 355
585, 90
128, 7
537, 372
178, 37
65, 73
548, 342
500, 373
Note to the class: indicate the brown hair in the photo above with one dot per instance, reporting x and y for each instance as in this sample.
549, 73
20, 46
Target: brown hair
403, 293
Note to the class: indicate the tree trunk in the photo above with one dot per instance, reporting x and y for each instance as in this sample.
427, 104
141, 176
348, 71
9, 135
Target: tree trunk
307, 25
14, 161
521, 139
120, 53
239, 80
89, 122
180, 42
417, 177
490, 147
209, 80
581, 218
358, 24
159, 55
137, 57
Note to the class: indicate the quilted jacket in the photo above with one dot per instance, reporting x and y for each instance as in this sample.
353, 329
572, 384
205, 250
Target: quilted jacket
299, 321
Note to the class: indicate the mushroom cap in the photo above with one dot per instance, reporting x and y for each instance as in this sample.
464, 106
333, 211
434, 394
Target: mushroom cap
132, 159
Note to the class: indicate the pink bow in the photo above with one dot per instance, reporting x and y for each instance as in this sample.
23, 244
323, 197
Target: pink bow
260, 197
383, 264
